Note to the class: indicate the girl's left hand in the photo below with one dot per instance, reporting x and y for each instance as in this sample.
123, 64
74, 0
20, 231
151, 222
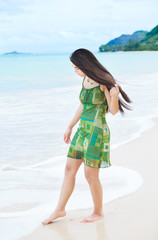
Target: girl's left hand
114, 91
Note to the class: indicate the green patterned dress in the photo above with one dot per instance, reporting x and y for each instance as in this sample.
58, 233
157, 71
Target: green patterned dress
91, 142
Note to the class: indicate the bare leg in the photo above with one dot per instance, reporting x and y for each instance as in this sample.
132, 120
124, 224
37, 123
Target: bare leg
92, 176
68, 184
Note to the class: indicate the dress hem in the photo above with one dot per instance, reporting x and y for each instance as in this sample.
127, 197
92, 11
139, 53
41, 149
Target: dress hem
89, 165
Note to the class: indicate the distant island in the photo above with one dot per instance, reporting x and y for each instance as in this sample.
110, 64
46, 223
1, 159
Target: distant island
138, 41
14, 53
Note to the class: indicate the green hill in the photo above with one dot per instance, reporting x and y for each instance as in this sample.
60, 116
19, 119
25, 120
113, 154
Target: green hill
138, 41
124, 38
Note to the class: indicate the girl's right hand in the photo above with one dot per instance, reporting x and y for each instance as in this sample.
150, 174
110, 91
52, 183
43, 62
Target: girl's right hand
67, 135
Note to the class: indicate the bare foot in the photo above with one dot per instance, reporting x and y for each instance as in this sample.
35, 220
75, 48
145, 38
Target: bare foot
53, 216
93, 217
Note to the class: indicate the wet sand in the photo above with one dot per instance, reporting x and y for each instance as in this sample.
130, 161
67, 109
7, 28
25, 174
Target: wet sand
134, 216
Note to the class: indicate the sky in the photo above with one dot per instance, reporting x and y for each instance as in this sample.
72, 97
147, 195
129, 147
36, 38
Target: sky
61, 26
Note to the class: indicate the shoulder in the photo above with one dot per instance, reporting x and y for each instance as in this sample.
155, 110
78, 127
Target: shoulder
103, 88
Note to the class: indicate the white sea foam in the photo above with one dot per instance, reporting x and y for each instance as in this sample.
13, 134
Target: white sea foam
116, 182
33, 153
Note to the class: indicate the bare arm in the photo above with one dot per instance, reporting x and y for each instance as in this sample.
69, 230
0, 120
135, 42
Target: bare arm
76, 116
74, 120
112, 98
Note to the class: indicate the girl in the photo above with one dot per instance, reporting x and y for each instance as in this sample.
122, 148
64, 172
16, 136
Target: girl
91, 142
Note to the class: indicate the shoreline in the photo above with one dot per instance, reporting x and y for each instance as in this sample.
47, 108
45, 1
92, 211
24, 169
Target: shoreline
129, 51
132, 216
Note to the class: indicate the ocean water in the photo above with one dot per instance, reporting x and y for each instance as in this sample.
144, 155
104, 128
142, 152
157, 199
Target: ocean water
39, 95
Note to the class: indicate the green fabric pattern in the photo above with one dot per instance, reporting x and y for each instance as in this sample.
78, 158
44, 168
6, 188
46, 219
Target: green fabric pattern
91, 142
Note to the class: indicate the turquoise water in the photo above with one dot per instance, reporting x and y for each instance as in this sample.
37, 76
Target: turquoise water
39, 95
38, 91
28, 71
36, 71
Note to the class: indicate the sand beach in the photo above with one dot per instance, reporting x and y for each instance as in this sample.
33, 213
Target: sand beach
134, 216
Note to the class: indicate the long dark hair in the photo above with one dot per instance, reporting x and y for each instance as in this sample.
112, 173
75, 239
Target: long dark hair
88, 64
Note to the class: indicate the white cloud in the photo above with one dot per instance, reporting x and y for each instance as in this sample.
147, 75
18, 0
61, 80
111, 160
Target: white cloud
37, 24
